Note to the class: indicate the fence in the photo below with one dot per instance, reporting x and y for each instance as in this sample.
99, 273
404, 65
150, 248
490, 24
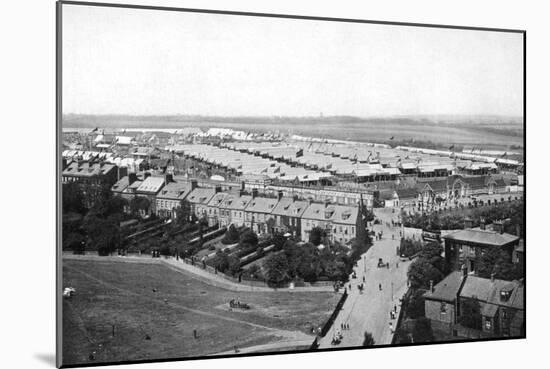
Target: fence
334, 314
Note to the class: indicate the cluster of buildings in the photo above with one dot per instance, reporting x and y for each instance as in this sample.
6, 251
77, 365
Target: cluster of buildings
226, 205
500, 303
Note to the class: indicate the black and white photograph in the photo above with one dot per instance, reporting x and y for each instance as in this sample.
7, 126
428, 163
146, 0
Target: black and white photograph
242, 184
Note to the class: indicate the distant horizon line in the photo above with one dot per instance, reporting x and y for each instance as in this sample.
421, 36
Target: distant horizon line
487, 115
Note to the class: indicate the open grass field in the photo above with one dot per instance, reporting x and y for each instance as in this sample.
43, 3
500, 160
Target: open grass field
154, 311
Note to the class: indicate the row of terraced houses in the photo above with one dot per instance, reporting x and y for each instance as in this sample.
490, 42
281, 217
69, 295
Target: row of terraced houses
222, 205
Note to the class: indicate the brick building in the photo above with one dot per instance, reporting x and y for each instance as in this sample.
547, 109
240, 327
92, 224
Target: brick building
463, 247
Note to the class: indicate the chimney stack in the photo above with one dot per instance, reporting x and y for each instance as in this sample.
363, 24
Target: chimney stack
218, 188
492, 277
498, 226
280, 195
327, 203
146, 175
243, 185
464, 271
254, 193
482, 224
168, 178
431, 286
132, 177
468, 223
194, 184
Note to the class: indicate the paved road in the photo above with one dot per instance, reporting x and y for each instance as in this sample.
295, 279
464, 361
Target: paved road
370, 311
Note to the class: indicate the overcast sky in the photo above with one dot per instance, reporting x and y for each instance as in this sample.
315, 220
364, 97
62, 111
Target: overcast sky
147, 62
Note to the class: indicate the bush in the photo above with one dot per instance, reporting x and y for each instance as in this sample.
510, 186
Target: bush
231, 236
248, 237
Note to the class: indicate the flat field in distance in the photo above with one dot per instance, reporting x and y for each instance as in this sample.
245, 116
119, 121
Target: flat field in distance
153, 310
487, 132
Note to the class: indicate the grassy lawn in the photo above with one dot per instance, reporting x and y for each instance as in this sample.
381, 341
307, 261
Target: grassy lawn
150, 300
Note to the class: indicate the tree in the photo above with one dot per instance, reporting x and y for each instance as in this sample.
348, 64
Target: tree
248, 238
184, 214
231, 235
72, 198
421, 272
316, 236
497, 262
422, 331
276, 269
75, 242
139, 205
470, 314
368, 339
103, 234
415, 304
409, 247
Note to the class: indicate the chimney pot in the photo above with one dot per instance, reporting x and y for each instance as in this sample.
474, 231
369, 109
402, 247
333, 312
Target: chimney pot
431, 286
492, 277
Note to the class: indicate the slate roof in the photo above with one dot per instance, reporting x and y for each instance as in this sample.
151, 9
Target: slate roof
289, 207
236, 202
484, 237
201, 195
341, 214
85, 169
217, 199
262, 205
448, 289
121, 185
175, 191
485, 290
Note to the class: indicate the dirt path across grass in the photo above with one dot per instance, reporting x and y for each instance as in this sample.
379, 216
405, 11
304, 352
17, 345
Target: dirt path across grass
294, 336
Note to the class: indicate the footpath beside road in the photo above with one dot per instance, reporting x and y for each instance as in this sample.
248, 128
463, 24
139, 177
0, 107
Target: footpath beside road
369, 311
195, 272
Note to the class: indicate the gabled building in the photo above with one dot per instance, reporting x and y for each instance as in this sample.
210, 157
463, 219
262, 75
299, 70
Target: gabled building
232, 209
199, 199
441, 302
501, 305
171, 197
288, 213
149, 188
214, 210
258, 213
340, 222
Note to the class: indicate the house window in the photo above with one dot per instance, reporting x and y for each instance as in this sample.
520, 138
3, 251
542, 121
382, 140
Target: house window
488, 323
443, 308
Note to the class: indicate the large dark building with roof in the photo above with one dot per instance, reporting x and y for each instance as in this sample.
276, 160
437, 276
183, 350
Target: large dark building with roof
93, 178
463, 247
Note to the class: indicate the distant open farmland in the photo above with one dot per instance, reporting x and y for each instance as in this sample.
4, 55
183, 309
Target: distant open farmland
121, 294
488, 133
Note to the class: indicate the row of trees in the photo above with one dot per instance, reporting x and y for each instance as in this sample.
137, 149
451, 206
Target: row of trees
455, 220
